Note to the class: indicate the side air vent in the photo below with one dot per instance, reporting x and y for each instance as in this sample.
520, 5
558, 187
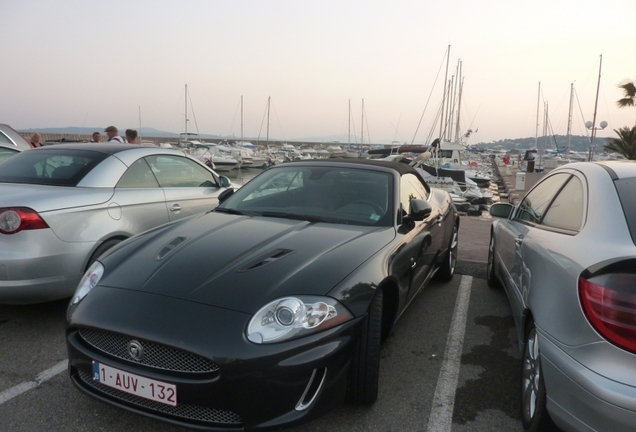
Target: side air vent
174, 243
267, 258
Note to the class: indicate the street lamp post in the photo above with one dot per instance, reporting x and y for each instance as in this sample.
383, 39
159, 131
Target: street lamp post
590, 125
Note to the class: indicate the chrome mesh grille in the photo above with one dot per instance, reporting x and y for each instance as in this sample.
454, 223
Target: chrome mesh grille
155, 355
190, 412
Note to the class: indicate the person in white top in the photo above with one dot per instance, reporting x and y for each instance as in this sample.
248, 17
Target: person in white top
113, 136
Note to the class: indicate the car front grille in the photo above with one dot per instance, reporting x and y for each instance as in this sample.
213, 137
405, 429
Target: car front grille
184, 411
155, 355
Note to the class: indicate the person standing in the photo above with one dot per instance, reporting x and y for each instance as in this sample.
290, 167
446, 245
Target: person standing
131, 136
97, 137
36, 140
113, 136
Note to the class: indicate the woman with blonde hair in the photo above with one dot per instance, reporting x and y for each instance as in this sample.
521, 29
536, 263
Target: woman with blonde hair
35, 140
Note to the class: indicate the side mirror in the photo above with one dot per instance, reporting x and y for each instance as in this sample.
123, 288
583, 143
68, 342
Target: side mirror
225, 194
420, 210
501, 210
224, 181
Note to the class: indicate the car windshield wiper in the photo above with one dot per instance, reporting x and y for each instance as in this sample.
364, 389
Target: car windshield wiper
233, 211
304, 217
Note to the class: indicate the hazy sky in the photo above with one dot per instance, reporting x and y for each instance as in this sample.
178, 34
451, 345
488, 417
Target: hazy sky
96, 63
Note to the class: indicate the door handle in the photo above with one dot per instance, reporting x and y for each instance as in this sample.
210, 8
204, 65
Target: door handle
175, 207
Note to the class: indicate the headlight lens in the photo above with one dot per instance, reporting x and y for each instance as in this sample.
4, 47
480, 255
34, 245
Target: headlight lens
89, 281
290, 317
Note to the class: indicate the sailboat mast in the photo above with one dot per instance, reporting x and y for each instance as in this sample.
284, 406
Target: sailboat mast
140, 137
459, 106
362, 125
186, 112
268, 106
598, 85
443, 120
349, 136
536, 132
569, 133
241, 119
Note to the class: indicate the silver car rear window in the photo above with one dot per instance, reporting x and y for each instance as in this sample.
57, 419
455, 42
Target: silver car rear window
627, 194
63, 167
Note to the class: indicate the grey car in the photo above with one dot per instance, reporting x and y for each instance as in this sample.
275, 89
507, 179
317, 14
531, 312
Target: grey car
62, 206
566, 256
11, 142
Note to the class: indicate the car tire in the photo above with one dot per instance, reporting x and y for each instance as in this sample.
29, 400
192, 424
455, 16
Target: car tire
534, 414
364, 371
447, 269
491, 277
101, 249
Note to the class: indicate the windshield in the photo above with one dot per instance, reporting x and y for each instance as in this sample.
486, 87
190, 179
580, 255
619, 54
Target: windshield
63, 167
317, 194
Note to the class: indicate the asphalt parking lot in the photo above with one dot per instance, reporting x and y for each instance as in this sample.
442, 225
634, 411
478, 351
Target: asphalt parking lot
451, 364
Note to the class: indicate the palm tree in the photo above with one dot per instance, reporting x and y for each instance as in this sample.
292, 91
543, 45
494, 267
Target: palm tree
629, 91
625, 144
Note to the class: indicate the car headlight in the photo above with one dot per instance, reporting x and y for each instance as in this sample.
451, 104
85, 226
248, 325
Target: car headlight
290, 317
89, 281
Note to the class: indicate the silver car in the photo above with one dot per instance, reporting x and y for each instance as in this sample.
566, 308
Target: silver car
62, 206
11, 142
566, 256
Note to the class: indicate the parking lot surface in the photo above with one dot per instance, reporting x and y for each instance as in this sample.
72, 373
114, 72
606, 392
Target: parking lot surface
451, 364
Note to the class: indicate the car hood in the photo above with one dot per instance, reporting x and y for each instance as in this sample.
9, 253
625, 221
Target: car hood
43, 198
239, 262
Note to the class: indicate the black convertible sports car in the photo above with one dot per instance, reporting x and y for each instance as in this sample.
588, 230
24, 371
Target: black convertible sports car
268, 310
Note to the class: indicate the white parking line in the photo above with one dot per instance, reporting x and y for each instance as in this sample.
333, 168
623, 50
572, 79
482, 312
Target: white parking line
43, 376
441, 417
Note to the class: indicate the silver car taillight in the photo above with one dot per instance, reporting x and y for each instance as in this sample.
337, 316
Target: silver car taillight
16, 219
609, 303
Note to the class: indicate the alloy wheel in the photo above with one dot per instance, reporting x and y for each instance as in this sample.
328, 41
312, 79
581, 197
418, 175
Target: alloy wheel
531, 377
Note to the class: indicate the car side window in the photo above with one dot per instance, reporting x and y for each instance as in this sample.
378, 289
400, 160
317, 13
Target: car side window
138, 175
410, 188
566, 211
177, 171
534, 205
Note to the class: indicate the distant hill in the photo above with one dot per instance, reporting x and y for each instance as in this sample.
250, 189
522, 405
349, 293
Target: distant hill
145, 131
577, 143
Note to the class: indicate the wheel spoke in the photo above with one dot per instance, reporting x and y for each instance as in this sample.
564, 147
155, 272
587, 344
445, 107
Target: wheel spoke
531, 376
529, 401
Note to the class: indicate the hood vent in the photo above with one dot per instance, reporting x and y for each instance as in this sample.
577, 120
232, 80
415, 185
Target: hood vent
174, 243
267, 258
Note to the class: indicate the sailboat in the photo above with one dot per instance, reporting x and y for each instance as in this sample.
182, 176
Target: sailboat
350, 152
448, 154
355, 151
205, 152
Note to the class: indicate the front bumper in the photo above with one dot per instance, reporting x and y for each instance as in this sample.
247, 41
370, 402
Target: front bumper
254, 386
580, 399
